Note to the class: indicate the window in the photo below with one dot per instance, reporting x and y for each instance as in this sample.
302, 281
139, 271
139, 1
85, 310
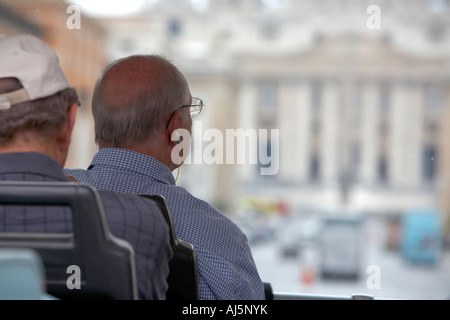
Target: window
356, 160
433, 98
382, 170
267, 108
316, 96
268, 95
314, 169
175, 27
384, 98
429, 162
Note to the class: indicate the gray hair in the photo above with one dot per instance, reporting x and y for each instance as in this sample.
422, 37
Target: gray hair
45, 116
148, 108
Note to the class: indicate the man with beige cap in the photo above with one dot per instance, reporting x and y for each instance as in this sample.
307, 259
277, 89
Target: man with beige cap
37, 115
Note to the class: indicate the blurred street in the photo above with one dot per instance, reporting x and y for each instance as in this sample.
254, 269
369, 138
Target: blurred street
398, 279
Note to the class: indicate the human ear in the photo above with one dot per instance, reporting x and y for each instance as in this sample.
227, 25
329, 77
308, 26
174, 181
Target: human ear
65, 133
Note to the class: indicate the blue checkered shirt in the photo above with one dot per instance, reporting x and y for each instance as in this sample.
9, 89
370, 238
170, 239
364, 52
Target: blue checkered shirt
226, 267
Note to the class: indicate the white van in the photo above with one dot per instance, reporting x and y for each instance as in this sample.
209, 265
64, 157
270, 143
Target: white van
340, 249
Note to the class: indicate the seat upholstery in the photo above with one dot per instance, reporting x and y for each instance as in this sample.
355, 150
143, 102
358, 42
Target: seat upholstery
183, 278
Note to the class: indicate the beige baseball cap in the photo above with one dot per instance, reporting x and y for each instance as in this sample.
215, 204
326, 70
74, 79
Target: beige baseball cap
34, 64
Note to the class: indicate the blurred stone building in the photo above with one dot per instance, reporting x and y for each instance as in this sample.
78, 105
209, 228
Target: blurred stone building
359, 109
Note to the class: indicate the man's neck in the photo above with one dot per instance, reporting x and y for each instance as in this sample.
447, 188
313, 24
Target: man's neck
28, 143
151, 152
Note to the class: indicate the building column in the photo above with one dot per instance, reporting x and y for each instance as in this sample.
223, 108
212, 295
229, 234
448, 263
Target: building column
330, 133
247, 108
302, 135
369, 133
406, 127
293, 123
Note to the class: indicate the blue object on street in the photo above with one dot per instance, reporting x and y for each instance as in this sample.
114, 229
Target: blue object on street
421, 236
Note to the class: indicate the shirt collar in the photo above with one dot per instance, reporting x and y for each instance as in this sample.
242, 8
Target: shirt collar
31, 162
133, 161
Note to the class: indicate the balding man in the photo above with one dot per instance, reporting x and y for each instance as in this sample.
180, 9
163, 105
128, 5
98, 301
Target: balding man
37, 115
142, 105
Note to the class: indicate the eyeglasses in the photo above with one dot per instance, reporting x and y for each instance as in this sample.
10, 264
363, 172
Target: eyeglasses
195, 108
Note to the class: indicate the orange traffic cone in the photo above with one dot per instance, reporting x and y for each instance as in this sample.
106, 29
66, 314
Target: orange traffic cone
307, 275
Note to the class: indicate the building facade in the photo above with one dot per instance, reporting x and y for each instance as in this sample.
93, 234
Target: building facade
359, 109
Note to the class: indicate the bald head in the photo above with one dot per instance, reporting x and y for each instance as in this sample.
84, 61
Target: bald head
133, 99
